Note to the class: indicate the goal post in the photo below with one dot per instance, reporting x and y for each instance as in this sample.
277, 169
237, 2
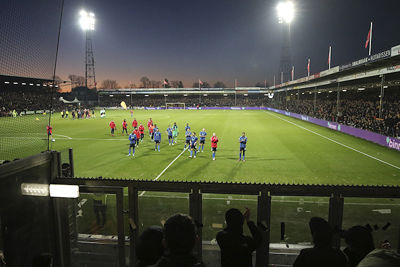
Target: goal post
175, 105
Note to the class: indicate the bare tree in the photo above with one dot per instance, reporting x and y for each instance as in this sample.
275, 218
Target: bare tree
109, 84
204, 85
76, 80
145, 82
155, 84
219, 85
174, 84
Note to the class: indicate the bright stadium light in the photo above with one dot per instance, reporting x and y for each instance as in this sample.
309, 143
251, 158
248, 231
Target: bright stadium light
64, 190
285, 12
86, 20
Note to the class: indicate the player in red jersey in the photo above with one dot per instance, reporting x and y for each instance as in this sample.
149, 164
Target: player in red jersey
141, 130
134, 123
137, 132
149, 124
214, 145
124, 127
151, 131
113, 127
50, 132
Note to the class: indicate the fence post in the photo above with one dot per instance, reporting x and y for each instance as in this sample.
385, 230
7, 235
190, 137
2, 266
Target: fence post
120, 227
264, 216
133, 223
71, 162
195, 211
336, 205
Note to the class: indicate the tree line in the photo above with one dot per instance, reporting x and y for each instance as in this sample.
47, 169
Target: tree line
145, 82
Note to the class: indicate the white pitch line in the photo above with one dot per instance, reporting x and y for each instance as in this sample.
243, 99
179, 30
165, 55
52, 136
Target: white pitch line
63, 136
166, 168
334, 141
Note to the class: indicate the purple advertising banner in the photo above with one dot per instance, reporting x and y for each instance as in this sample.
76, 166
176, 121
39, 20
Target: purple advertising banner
379, 139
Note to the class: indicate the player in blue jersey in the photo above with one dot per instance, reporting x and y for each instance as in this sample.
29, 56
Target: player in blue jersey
132, 143
187, 127
157, 140
193, 144
175, 133
188, 136
155, 128
169, 133
203, 135
243, 142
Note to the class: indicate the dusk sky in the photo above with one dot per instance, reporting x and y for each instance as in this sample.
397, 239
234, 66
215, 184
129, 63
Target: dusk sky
219, 40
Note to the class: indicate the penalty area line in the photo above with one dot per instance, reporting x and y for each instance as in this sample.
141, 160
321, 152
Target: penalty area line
166, 168
337, 142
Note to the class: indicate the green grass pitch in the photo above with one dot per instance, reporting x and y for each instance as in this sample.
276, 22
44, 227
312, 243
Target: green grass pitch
277, 151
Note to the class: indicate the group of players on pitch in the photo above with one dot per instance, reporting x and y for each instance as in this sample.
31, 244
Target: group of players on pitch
192, 142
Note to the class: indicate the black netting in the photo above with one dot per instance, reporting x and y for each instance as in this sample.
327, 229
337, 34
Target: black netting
28, 46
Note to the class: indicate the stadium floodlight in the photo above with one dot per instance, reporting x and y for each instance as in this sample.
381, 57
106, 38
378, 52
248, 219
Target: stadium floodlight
285, 12
86, 20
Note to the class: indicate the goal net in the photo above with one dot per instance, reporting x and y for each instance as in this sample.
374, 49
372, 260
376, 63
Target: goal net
175, 105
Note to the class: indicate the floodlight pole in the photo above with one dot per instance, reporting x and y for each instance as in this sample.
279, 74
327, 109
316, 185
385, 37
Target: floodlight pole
90, 74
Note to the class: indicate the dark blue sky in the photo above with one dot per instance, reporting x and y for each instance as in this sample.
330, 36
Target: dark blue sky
217, 39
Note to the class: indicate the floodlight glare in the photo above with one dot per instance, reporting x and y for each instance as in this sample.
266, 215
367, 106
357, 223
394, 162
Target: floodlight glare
285, 12
86, 20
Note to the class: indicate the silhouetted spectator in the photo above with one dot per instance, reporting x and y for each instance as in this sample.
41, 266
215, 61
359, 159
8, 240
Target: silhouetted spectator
322, 254
149, 247
179, 239
360, 243
42, 260
236, 248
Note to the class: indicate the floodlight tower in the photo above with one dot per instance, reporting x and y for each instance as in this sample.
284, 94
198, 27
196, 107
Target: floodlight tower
86, 22
285, 12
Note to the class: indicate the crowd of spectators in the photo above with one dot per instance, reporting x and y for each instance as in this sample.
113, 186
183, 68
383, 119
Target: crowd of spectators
173, 245
361, 114
27, 100
251, 100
